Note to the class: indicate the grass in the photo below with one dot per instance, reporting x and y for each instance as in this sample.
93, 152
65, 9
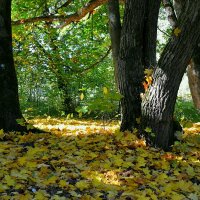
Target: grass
185, 112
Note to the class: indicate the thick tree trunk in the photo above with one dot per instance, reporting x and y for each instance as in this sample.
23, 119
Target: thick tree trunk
193, 70
150, 32
137, 52
9, 102
115, 31
130, 63
159, 100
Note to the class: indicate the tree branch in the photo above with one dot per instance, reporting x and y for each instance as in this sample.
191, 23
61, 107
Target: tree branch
96, 63
170, 12
163, 32
67, 19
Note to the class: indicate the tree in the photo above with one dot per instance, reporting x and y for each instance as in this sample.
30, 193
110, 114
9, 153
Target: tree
115, 31
137, 52
9, 102
193, 73
193, 70
135, 55
159, 101
74, 54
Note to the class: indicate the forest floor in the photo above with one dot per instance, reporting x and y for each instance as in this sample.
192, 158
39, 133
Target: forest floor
87, 160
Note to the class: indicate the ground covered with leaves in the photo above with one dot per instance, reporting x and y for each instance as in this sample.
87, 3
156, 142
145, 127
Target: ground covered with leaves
89, 161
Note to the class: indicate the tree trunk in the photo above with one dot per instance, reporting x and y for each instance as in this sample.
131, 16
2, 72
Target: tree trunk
115, 31
68, 104
159, 101
137, 52
193, 73
193, 70
150, 33
130, 64
9, 101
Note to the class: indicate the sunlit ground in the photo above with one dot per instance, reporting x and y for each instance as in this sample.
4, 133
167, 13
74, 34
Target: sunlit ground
75, 127
92, 160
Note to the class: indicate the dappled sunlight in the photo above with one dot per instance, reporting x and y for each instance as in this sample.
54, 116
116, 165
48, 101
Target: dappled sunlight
71, 127
194, 129
83, 160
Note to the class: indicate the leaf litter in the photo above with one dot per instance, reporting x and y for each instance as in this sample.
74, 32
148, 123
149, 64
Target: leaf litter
87, 161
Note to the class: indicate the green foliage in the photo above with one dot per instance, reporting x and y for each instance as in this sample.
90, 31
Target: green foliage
103, 103
185, 112
53, 64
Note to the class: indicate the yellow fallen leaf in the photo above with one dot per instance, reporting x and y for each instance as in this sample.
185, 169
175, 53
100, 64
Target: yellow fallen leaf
62, 183
2, 134
148, 72
9, 180
177, 196
51, 180
82, 185
41, 195
3, 187
177, 31
31, 164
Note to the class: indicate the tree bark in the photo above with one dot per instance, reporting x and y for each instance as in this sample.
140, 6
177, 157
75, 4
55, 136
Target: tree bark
193, 73
9, 101
159, 100
115, 31
137, 52
130, 64
150, 32
193, 70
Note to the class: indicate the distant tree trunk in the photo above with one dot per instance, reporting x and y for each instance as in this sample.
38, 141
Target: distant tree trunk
68, 104
137, 52
159, 101
9, 101
193, 73
115, 31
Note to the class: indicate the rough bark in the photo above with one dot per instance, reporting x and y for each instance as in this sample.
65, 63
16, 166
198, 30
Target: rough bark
168, 5
193, 70
9, 103
130, 63
159, 100
150, 32
137, 52
179, 6
115, 31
